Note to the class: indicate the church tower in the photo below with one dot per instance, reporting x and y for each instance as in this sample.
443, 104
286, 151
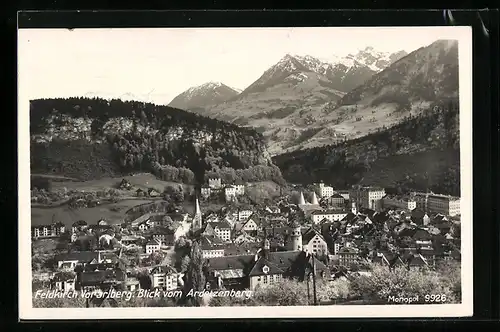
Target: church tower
302, 201
354, 210
314, 199
294, 242
197, 216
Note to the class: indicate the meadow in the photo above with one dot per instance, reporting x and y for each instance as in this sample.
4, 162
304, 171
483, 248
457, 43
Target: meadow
114, 213
143, 181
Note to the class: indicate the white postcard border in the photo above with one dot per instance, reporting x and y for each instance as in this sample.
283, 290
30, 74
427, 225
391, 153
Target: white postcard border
27, 312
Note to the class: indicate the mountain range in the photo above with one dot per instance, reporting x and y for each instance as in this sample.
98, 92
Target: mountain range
302, 101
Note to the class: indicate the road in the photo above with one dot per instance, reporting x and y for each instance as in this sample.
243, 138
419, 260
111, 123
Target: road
170, 253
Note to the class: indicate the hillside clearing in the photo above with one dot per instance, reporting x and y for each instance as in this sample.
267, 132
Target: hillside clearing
113, 213
139, 181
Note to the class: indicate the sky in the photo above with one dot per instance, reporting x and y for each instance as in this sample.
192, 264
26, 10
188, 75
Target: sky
155, 65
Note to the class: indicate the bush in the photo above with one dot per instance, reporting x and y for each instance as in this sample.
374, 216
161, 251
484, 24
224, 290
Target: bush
400, 282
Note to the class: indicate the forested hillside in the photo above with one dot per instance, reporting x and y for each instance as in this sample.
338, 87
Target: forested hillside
420, 153
91, 138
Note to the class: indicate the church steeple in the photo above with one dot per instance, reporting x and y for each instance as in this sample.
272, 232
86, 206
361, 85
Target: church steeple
197, 215
302, 201
314, 199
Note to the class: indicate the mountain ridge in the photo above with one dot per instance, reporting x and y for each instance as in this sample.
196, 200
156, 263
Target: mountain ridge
92, 138
206, 94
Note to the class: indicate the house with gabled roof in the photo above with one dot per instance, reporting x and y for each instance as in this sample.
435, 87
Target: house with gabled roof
252, 224
153, 246
415, 261
105, 279
72, 259
211, 246
79, 225
265, 267
164, 277
125, 185
164, 235
222, 229
243, 237
64, 281
314, 242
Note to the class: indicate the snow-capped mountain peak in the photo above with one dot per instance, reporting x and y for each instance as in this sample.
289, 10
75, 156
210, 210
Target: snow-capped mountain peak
202, 95
367, 57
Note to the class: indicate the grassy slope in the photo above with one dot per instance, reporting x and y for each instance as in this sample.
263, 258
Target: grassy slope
142, 180
41, 216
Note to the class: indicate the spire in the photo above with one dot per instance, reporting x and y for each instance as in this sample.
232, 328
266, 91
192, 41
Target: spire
197, 208
302, 201
197, 215
314, 199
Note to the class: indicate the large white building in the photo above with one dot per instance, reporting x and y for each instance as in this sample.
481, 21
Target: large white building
164, 277
368, 197
313, 242
404, 203
331, 215
215, 183
323, 190
436, 203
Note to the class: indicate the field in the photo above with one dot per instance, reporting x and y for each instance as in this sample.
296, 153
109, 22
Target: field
142, 181
113, 213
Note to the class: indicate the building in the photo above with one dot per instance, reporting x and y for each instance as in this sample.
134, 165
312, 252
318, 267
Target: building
244, 214
230, 193
306, 206
447, 205
336, 201
294, 240
368, 197
215, 183
323, 190
345, 194
153, 246
211, 246
239, 187
223, 230
403, 203
265, 267
79, 225
302, 200
64, 281
206, 191
331, 215
197, 218
101, 279
48, 231
164, 236
436, 203
314, 242
348, 256
132, 284
81, 258
250, 226
163, 277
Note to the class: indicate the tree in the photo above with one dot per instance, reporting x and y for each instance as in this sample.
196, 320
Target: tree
195, 274
400, 282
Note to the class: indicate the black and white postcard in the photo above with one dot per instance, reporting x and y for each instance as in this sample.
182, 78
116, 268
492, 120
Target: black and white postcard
245, 172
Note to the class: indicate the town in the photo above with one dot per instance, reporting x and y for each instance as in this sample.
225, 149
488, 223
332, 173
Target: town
306, 234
